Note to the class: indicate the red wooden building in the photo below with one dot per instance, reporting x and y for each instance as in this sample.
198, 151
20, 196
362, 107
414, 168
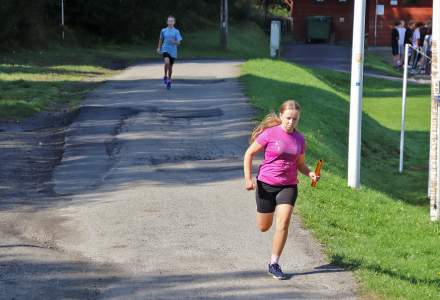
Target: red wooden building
379, 20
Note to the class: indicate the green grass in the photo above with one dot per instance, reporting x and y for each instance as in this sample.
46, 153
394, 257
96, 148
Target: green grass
245, 41
382, 232
378, 64
32, 81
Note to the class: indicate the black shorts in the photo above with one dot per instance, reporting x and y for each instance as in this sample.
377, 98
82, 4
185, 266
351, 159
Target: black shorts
269, 196
172, 59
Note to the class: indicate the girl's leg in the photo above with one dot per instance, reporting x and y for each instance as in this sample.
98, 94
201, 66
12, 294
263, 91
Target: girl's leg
283, 215
166, 66
264, 221
416, 60
170, 70
396, 60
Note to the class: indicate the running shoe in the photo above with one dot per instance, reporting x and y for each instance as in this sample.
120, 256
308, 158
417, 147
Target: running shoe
165, 80
169, 84
275, 271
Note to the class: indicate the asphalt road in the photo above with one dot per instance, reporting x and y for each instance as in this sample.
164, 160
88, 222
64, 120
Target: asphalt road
326, 56
148, 202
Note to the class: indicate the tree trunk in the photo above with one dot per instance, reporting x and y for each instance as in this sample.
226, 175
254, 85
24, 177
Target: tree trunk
224, 24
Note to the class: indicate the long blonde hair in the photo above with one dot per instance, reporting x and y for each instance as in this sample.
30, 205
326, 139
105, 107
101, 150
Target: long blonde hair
272, 119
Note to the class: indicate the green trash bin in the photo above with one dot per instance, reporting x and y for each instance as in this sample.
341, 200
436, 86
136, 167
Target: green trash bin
318, 28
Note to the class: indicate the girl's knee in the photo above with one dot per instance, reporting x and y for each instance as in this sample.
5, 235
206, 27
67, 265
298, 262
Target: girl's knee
264, 228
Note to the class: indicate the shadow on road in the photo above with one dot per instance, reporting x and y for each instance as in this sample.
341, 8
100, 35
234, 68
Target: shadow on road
26, 279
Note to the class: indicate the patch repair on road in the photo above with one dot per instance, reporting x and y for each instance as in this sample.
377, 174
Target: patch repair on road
191, 113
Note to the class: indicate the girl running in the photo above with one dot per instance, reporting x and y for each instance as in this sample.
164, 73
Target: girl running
169, 39
276, 186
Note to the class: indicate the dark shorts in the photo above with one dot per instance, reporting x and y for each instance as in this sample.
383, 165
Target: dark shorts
395, 48
269, 196
172, 59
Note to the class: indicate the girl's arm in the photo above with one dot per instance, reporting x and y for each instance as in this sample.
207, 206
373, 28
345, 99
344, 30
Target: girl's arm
253, 149
177, 39
303, 168
159, 44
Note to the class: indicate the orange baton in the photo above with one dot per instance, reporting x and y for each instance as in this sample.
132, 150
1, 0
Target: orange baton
317, 171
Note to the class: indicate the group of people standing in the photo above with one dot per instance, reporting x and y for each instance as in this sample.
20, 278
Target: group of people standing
419, 36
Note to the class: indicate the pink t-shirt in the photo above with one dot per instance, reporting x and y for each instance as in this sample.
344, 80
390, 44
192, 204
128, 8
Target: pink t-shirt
281, 150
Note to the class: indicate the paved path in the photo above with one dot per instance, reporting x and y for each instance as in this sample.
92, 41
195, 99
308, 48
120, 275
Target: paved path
148, 202
325, 56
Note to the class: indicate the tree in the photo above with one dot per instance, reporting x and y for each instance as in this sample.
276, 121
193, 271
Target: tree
36, 23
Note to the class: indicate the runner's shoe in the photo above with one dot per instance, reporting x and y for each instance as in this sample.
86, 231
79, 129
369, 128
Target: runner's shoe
165, 80
169, 84
275, 271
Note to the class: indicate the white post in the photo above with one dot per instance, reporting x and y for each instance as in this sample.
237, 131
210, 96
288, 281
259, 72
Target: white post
62, 19
429, 168
357, 69
435, 115
275, 38
402, 128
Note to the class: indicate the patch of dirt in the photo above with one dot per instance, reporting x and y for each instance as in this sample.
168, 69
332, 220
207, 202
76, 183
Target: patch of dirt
29, 151
32, 265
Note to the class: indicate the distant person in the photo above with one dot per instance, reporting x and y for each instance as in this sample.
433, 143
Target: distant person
395, 45
416, 43
402, 31
276, 187
423, 31
408, 38
169, 39
427, 46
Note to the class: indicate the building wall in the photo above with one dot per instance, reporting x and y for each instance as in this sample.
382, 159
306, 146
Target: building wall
342, 18
341, 13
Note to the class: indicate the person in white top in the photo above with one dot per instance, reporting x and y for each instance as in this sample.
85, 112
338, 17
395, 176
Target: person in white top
402, 31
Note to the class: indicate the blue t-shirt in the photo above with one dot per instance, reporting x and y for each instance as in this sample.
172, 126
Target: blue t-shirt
168, 34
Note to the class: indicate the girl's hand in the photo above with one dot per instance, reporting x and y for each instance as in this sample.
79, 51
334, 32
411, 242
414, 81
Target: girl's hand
250, 185
314, 177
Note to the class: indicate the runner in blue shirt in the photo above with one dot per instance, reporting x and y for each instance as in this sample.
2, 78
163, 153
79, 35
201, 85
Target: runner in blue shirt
169, 39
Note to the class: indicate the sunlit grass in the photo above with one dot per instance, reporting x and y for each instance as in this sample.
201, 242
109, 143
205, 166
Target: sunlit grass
32, 81
382, 232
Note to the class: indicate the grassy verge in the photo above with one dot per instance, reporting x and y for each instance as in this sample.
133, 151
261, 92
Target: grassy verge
375, 63
382, 231
32, 81
245, 41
